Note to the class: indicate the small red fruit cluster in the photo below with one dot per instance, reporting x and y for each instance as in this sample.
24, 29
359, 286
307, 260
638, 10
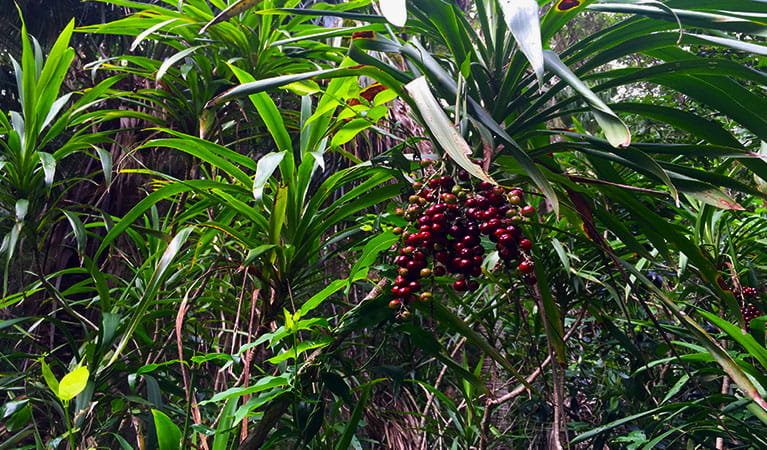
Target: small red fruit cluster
747, 295
446, 222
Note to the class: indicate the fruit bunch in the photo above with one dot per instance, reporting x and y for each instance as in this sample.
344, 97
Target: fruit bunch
748, 295
447, 220
750, 312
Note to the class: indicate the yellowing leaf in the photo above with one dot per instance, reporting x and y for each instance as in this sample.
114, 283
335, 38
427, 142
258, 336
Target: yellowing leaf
73, 383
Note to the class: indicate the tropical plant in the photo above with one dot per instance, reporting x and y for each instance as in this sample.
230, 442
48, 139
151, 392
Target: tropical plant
265, 255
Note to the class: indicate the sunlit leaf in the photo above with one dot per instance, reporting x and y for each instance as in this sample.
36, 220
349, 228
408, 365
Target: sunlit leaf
395, 11
522, 19
616, 132
442, 128
168, 433
73, 383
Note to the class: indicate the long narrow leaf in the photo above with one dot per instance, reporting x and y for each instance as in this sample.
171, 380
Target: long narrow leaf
522, 19
616, 131
442, 129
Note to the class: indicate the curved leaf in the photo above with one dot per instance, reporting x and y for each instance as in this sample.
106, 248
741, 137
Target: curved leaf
616, 132
168, 433
442, 129
73, 383
395, 11
522, 19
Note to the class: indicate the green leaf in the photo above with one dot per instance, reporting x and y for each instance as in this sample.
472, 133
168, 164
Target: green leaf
79, 230
168, 433
616, 132
599, 430
144, 34
73, 383
395, 11
349, 131
264, 383
159, 275
267, 164
302, 347
707, 193
254, 253
748, 342
277, 216
22, 205
712, 346
370, 253
235, 9
351, 427
225, 430
106, 164
168, 63
522, 18
148, 368
319, 297
268, 111
442, 128
689, 18
50, 378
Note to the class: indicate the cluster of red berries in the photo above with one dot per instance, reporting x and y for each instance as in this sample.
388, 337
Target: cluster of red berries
749, 311
446, 222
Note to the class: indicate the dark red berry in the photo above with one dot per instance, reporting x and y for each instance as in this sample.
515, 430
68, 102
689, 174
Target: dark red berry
506, 240
527, 210
460, 285
526, 267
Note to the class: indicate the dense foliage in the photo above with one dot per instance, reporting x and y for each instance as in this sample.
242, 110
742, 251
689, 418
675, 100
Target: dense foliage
421, 224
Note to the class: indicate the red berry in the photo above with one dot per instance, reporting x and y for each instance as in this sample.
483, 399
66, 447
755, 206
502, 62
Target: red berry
527, 210
446, 182
396, 303
460, 285
526, 267
506, 239
526, 244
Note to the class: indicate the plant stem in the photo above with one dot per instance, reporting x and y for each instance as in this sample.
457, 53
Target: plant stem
70, 431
